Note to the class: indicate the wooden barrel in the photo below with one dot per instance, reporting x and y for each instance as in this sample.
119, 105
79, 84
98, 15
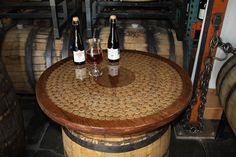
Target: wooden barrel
153, 144
226, 89
11, 121
130, 38
151, 39
27, 52
168, 46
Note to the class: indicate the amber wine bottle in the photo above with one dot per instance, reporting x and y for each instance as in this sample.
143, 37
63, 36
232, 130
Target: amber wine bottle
113, 50
78, 46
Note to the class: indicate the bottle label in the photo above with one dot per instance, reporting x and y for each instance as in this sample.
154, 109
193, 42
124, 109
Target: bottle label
113, 54
80, 73
113, 70
79, 56
201, 13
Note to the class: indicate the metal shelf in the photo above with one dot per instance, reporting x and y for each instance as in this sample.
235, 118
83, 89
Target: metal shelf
24, 4
192, 18
57, 10
137, 15
136, 4
165, 9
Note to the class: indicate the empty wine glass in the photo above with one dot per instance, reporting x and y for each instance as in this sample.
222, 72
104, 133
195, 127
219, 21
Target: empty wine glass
94, 56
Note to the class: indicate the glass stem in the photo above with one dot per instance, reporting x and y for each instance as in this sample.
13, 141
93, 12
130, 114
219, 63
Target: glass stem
95, 67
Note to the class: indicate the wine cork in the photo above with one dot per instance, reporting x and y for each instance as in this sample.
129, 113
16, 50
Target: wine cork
113, 18
75, 18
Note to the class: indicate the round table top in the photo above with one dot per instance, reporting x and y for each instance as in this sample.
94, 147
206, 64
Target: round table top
150, 92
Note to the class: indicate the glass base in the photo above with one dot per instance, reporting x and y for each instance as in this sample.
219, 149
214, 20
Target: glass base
95, 72
124, 78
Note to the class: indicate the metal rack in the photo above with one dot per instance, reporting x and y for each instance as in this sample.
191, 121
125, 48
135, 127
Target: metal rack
192, 18
57, 10
165, 9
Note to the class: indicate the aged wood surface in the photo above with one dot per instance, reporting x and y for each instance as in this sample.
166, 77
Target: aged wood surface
213, 109
158, 148
14, 54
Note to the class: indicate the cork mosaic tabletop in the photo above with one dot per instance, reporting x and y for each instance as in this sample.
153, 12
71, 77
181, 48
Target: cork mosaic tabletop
149, 92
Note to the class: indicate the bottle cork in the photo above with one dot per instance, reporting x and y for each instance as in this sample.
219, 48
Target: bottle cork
113, 18
75, 18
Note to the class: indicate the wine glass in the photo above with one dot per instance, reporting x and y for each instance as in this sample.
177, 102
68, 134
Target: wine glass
94, 56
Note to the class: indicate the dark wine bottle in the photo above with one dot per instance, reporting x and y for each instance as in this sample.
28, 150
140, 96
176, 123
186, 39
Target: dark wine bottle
113, 50
202, 8
78, 46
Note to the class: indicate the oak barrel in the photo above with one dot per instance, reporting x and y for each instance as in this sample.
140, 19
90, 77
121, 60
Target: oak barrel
130, 38
28, 51
168, 46
11, 121
226, 89
152, 144
150, 38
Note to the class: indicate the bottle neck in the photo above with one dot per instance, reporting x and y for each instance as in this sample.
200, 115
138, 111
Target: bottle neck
113, 30
78, 44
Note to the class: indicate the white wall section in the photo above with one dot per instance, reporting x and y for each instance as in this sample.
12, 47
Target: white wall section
228, 34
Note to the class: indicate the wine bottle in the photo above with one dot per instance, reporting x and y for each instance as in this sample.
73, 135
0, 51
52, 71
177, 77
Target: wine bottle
113, 69
113, 73
113, 51
78, 46
202, 8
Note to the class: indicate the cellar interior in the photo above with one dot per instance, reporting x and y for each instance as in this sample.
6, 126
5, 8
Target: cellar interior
196, 38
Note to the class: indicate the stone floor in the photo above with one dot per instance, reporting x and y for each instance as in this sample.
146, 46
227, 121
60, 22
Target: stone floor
43, 138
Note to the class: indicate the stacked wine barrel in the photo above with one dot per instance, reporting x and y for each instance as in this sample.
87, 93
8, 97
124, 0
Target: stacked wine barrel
28, 51
226, 89
151, 38
168, 46
11, 121
130, 38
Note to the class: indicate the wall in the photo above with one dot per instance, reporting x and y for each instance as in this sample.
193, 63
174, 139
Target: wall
228, 34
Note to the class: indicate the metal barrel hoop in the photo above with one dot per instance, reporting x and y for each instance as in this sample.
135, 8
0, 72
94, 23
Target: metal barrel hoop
49, 49
114, 146
232, 90
29, 57
66, 44
171, 39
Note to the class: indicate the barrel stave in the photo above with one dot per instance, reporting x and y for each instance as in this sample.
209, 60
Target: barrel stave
15, 46
127, 146
231, 110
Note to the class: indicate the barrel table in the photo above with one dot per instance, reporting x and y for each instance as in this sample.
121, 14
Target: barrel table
115, 116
